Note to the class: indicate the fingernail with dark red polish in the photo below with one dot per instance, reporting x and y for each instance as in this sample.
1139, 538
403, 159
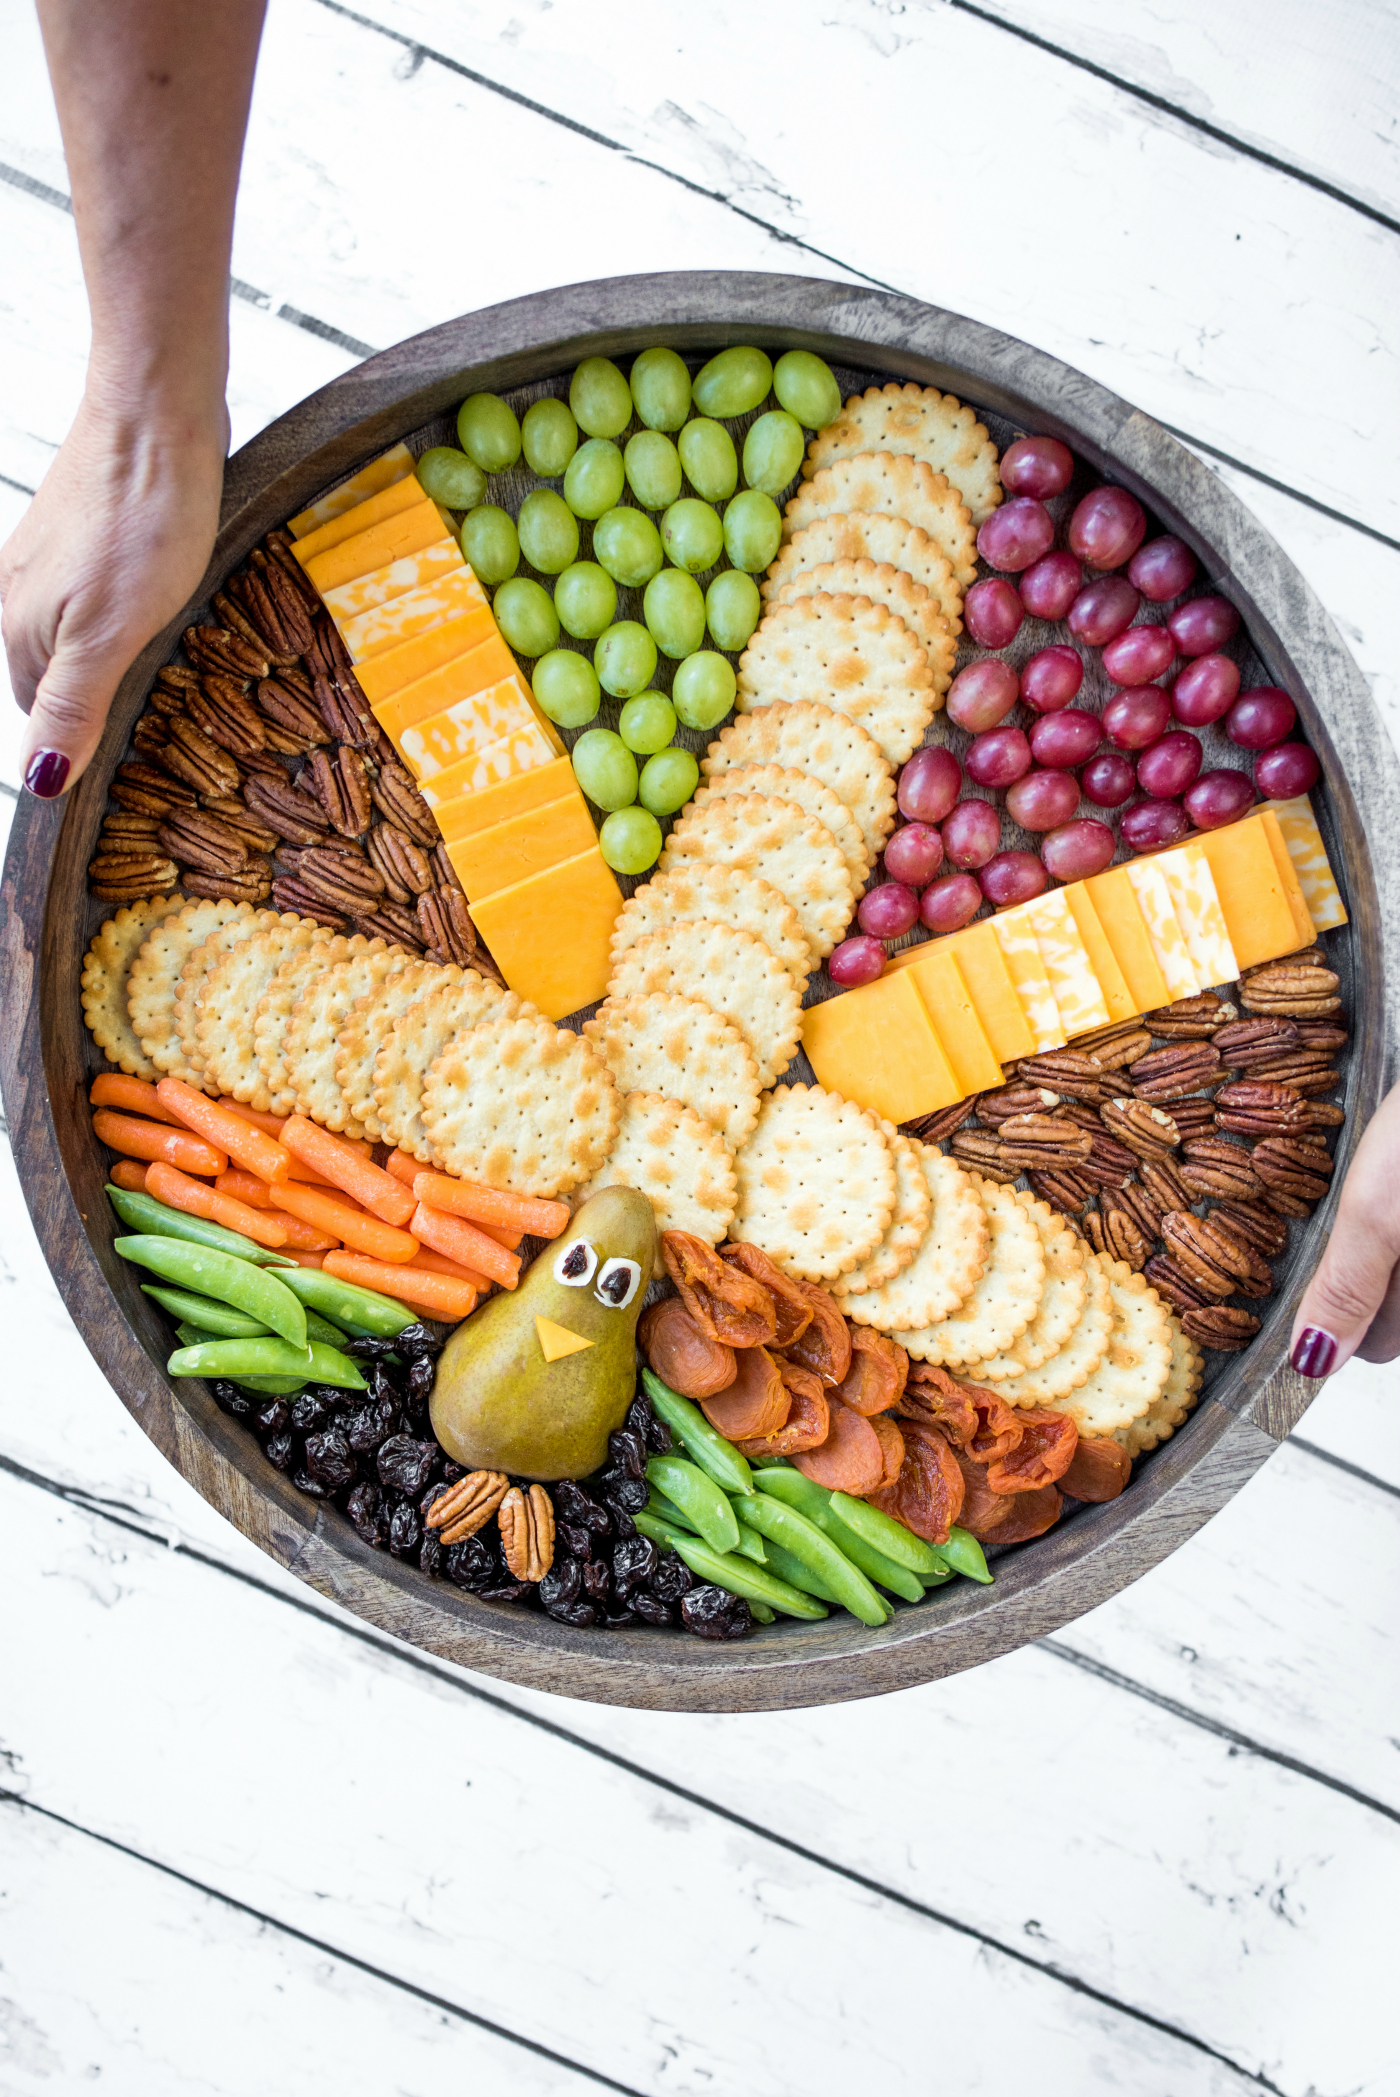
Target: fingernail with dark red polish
1315, 1352
46, 774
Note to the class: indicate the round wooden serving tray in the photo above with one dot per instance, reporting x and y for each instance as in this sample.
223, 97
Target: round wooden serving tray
1253, 1399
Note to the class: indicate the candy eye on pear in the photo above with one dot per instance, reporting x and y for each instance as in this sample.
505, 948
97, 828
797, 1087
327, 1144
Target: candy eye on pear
576, 1265
618, 1283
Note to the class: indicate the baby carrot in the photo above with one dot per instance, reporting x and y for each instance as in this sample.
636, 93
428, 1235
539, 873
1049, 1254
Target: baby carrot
270, 1124
463, 1242
353, 1227
127, 1173
244, 1186
434, 1263
403, 1165
172, 1187
153, 1141
491, 1205
112, 1089
440, 1294
249, 1146
354, 1174
305, 1259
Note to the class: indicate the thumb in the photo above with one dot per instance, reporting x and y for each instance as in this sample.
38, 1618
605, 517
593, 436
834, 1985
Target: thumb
1355, 1283
70, 709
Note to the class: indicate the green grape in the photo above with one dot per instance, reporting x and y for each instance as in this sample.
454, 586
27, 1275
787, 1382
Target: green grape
488, 432
599, 397
661, 389
732, 607
490, 544
526, 616
629, 546
625, 659
668, 780
566, 687
710, 461
733, 382
585, 598
653, 469
674, 609
630, 840
692, 534
593, 478
605, 768
648, 722
773, 451
807, 389
704, 689
550, 437
548, 531
451, 478
753, 530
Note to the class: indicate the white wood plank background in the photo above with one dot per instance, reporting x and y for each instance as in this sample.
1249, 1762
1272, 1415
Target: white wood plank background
250, 1844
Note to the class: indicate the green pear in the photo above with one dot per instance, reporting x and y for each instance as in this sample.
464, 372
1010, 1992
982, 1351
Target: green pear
537, 1379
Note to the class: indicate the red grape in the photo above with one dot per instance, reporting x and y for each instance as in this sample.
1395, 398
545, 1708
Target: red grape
1065, 739
1012, 877
1107, 781
1205, 690
1260, 717
998, 757
1218, 797
1203, 623
1162, 569
970, 835
1079, 849
888, 910
1103, 610
1051, 586
914, 855
929, 785
1042, 800
1139, 655
1135, 718
1107, 528
982, 694
992, 612
1148, 825
1051, 678
856, 961
1038, 466
1168, 766
948, 904
1016, 534
1286, 770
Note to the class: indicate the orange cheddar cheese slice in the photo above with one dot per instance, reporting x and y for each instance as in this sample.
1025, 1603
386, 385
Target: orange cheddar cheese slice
470, 813
488, 666
989, 985
384, 586
409, 532
1197, 906
380, 473
551, 934
1163, 929
394, 669
1102, 959
400, 495
520, 751
1303, 864
878, 1047
1116, 907
939, 982
1020, 950
458, 731
1259, 915
416, 611
526, 844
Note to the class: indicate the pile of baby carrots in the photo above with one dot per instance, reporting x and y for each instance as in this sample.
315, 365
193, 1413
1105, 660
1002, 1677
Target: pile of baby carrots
430, 1241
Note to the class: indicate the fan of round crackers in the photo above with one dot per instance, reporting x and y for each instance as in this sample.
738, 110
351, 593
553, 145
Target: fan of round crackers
923, 422
847, 653
717, 895
779, 842
1004, 1298
1134, 1369
735, 973
786, 783
155, 972
312, 1040
913, 1208
1071, 1366
1061, 1304
949, 1261
816, 1183
890, 484
809, 736
1179, 1395
106, 967
521, 1104
462, 1000
677, 1159
371, 1019
853, 536
226, 1014
680, 1048
294, 976
880, 582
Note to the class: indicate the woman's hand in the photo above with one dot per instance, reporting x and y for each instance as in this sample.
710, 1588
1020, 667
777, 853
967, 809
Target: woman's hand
1352, 1304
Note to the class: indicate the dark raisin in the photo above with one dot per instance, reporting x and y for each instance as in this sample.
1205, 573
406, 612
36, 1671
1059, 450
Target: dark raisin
575, 1262
622, 1521
381, 1388
430, 1556
596, 1583
581, 1615
368, 1348
405, 1530
309, 1412
672, 1579
659, 1437
561, 1584
507, 1591
452, 1472
628, 1453
229, 1399
618, 1490
616, 1618
405, 1465
712, 1612
280, 1449
331, 1396
368, 1427
272, 1418
418, 1343
575, 1539
633, 1565
573, 1504
472, 1564
329, 1459
429, 1500
616, 1285
305, 1483
641, 1420
364, 1505
650, 1610
420, 1379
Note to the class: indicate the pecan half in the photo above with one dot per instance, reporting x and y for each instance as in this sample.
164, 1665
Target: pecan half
1261, 1107
172, 688
215, 648
1114, 1232
223, 711
191, 756
1149, 1131
1321, 1034
279, 701
1308, 1071
1323, 1115
399, 862
1222, 1326
339, 879
1285, 989
1252, 1274
129, 875
468, 1505
1190, 1019
1101, 1038
251, 884
236, 620
278, 545
1197, 1254
1246, 1042
446, 929
200, 840
239, 818
527, 1532
399, 801
285, 809
1108, 1164
268, 582
1171, 1073
392, 922
1066, 1071
1305, 957
1287, 1166
1145, 1212
980, 1151
341, 785
444, 873
994, 1108
247, 607
1027, 1142
132, 831
144, 791
1258, 1226
1165, 1184
937, 1128
1214, 1166
1171, 1281
150, 735
289, 894
1063, 1189
343, 722
1194, 1116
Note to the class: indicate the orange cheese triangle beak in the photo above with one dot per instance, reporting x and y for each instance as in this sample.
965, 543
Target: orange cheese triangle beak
556, 1341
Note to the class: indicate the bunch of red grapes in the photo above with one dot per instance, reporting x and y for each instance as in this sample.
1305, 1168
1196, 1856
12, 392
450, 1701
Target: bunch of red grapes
946, 860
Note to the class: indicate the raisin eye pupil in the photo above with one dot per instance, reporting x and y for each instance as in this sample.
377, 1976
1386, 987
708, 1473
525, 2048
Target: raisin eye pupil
615, 1287
576, 1262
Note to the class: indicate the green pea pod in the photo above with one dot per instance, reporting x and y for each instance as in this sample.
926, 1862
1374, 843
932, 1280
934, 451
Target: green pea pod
271, 1386
964, 1554
750, 1544
795, 1489
142, 1212
219, 1321
361, 1311
887, 1535
698, 1498
727, 1571
784, 1525
761, 1613
238, 1358
701, 1443
195, 1336
788, 1566
218, 1274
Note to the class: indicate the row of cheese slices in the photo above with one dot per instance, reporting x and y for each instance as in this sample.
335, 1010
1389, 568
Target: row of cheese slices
445, 688
949, 1013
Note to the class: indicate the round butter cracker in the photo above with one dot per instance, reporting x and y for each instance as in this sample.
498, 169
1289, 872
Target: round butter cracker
927, 425
807, 736
678, 1160
891, 484
521, 1104
106, 966
680, 1048
779, 843
847, 653
816, 1183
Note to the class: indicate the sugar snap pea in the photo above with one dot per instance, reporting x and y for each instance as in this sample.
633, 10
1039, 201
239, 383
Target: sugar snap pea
750, 1544
220, 1321
885, 1534
360, 1310
761, 1613
814, 1501
698, 1498
267, 1357
772, 1518
701, 1443
262, 1295
965, 1555
142, 1212
725, 1570
788, 1566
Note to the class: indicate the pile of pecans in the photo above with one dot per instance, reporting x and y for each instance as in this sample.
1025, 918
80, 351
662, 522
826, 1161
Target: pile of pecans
258, 770
1183, 1142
